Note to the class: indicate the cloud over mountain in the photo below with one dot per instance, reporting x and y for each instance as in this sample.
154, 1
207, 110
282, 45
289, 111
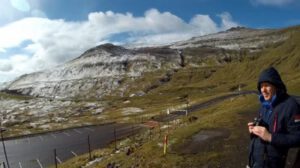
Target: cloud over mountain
44, 43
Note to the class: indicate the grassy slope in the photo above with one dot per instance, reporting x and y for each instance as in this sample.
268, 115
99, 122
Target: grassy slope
230, 115
201, 84
14, 97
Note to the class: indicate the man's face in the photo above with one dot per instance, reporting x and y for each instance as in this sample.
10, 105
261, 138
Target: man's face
267, 90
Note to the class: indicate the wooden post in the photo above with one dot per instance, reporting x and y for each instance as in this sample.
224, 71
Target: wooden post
165, 144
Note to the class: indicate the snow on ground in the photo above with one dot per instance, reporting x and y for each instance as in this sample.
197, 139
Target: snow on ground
131, 110
42, 113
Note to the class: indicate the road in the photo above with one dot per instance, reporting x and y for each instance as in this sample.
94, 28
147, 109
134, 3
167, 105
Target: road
38, 151
200, 106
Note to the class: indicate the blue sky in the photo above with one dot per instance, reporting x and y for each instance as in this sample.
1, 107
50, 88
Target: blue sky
39, 34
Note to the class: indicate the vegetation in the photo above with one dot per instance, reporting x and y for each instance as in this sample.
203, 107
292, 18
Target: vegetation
174, 88
207, 74
4, 95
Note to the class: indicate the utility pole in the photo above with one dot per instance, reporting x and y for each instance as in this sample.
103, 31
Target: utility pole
1, 132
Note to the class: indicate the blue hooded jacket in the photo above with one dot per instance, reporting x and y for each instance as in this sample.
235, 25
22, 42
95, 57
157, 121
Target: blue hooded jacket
282, 121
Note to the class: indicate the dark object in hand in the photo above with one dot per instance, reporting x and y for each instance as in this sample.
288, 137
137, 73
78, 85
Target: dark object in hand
259, 122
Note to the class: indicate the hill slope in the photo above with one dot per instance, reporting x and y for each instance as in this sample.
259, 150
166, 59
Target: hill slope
102, 70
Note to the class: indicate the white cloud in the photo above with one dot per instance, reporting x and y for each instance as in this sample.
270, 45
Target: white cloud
13, 10
227, 21
5, 66
21, 5
2, 50
204, 23
56, 41
272, 2
14, 66
38, 13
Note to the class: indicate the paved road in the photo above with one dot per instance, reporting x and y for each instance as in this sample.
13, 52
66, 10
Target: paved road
197, 107
38, 151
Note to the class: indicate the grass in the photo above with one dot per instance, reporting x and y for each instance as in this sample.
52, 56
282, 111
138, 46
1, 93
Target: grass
213, 117
204, 77
4, 95
202, 83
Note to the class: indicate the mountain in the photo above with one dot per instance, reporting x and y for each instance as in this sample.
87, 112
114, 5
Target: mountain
236, 38
105, 68
111, 83
100, 69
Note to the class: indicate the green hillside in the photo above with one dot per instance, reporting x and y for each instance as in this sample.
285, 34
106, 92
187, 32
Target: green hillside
194, 84
166, 88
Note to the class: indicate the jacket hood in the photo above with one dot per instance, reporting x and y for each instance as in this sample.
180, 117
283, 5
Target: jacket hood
272, 76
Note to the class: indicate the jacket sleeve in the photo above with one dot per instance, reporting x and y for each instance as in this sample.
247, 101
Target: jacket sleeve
292, 137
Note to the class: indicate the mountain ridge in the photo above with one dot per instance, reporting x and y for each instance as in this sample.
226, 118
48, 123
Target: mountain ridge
104, 66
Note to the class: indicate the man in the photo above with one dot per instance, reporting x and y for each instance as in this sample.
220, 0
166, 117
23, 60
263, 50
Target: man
278, 126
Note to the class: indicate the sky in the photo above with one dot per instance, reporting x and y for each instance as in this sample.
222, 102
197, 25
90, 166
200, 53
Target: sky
41, 34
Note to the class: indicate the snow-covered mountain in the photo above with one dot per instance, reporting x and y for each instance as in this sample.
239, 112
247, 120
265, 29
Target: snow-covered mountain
3, 85
234, 39
100, 70
97, 71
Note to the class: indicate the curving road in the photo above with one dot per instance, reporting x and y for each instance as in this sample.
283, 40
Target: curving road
38, 151
200, 106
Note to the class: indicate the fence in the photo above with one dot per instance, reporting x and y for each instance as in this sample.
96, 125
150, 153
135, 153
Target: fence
86, 143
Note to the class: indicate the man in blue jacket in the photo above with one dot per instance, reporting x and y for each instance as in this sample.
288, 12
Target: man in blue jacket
278, 126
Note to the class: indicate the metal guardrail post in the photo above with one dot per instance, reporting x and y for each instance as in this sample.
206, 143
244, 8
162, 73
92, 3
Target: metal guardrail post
55, 160
4, 149
90, 154
115, 137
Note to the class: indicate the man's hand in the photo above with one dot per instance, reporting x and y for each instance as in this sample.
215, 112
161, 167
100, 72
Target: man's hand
261, 132
250, 126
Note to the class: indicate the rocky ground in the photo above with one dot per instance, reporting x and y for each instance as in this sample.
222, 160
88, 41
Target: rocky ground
23, 117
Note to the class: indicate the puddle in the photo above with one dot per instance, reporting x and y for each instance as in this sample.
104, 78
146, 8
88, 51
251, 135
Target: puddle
204, 140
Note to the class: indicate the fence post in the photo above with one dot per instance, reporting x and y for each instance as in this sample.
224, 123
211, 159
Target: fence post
165, 144
2, 165
89, 145
132, 132
4, 149
115, 137
159, 129
55, 161
168, 131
